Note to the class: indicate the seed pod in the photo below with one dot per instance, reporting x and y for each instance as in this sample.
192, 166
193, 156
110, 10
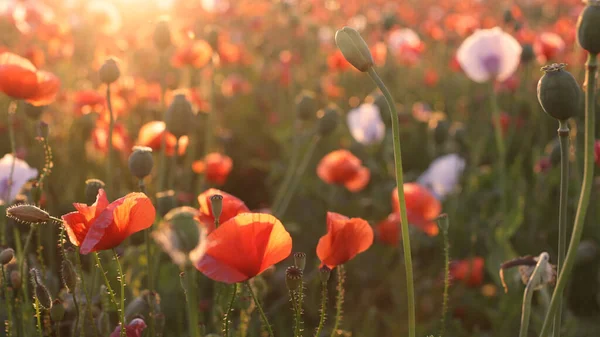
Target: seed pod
324, 274
165, 201
354, 48
328, 120
6, 256
28, 214
109, 72
68, 275
141, 161
527, 53
92, 187
40, 291
57, 313
306, 105
162, 35
440, 130
389, 21
293, 278
558, 92
179, 118
185, 226
216, 204
300, 260
588, 27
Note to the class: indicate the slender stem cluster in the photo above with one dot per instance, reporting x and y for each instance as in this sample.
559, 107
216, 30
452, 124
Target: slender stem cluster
261, 311
339, 300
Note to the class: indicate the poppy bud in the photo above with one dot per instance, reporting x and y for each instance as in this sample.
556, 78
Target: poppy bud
211, 34
443, 223
558, 92
140, 161
15, 279
527, 53
324, 274
6, 256
440, 130
109, 72
508, 16
354, 48
588, 27
162, 35
293, 278
179, 118
68, 275
28, 214
328, 120
43, 130
185, 226
92, 186
389, 21
33, 112
41, 292
139, 305
306, 105
300, 260
57, 313
165, 201
216, 203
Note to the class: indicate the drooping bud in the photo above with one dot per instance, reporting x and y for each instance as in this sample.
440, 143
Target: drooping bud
109, 72
162, 35
306, 105
354, 48
68, 275
141, 161
57, 313
179, 118
324, 274
293, 278
300, 260
216, 203
165, 201
328, 120
40, 291
558, 92
33, 112
588, 27
548, 272
6, 256
92, 187
28, 214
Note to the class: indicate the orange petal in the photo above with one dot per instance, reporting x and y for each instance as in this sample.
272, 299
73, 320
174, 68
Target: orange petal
360, 180
47, 89
232, 206
135, 214
76, 226
345, 239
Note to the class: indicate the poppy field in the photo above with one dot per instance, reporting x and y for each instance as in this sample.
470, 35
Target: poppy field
246, 168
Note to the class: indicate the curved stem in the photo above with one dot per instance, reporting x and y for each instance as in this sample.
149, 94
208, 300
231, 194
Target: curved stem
76, 325
122, 305
339, 301
111, 126
260, 310
289, 173
171, 182
142, 186
586, 191
410, 288
38, 316
323, 309
32, 229
229, 311
533, 282
563, 134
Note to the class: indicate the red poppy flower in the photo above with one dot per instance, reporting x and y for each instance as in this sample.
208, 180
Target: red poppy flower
344, 168
387, 230
597, 152
548, 46
216, 167
133, 329
196, 53
87, 101
337, 62
120, 139
421, 207
345, 239
232, 206
469, 271
20, 79
243, 247
151, 133
104, 226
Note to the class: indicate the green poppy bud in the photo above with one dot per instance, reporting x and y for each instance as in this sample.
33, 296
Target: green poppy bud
354, 48
185, 226
40, 291
92, 186
300, 260
180, 116
141, 161
306, 105
328, 120
28, 214
15, 279
211, 34
588, 27
558, 92
109, 72
293, 278
6, 256
68, 275
162, 35
165, 201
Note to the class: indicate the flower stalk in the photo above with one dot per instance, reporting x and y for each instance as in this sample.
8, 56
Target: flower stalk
229, 312
122, 305
111, 126
339, 300
260, 310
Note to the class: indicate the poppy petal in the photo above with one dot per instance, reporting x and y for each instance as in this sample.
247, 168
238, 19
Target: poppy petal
47, 89
76, 226
134, 214
360, 180
345, 239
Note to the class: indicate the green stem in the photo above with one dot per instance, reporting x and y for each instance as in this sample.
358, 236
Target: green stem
38, 316
122, 305
19, 306
563, 134
171, 182
111, 293
289, 173
12, 110
9, 307
226, 318
297, 177
410, 288
111, 126
339, 301
323, 309
210, 125
500, 147
534, 281
260, 310
586, 191
299, 312
76, 325
444, 226
142, 186
190, 295
25, 248
88, 300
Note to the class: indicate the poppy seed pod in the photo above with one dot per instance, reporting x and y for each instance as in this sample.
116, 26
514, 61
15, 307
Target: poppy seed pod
28, 214
354, 48
588, 27
216, 204
179, 118
324, 274
6, 256
293, 278
140, 161
92, 186
300, 260
162, 35
558, 92
328, 120
165, 201
185, 226
41, 292
109, 72
57, 313
306, 105
68, 275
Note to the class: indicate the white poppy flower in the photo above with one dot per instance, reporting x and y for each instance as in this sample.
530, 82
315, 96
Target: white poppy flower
22, 173
443, 175
489, 54
365, 124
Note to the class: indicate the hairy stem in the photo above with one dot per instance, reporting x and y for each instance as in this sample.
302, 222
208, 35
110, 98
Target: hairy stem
322, 310
260, 310
111, 126
122, 305
444, 226
142, 186
229, 312
339, 301
9, 308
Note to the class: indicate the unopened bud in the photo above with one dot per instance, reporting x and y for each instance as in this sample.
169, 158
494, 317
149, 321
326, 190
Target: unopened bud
40, 291
165, 201
216, 203
33, 112
300, 260
139, 306
6, 256
185, 226
141, 161
328, 120
162, 35
109, 72
558, 92
306, 105
69, 276
324, 274
179, 118
293, 278
28, 214
92, 187
588, 27
57, 313
354, 48
443, 223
